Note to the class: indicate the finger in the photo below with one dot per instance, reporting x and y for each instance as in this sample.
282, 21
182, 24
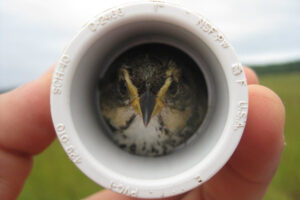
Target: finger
263, 140
14, 169
110, 195
251, 76
254, 163
25, 120
25, 129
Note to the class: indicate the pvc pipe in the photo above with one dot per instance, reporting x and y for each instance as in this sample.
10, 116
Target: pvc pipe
76, 118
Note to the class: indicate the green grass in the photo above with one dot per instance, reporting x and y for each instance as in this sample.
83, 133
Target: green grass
286, 184
55, 177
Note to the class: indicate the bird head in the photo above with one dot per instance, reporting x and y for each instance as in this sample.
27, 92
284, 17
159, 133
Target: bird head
148, 86
154, 91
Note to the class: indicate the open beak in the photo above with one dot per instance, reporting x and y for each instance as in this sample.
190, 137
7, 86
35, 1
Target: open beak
147, 103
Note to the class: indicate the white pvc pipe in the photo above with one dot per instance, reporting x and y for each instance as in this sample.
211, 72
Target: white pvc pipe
75, 115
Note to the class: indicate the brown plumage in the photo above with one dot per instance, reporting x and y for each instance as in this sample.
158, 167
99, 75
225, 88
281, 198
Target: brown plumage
153, 99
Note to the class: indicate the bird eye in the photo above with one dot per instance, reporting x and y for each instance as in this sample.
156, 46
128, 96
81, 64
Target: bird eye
122, 87
173, 88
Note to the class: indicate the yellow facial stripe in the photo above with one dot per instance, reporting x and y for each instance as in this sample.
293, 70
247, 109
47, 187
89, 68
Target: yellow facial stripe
161, 93
132, 89
171, 72
157, 108
133, 92
136, 106
160, 96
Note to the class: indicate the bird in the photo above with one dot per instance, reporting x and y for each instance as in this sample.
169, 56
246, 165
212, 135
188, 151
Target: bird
153, 99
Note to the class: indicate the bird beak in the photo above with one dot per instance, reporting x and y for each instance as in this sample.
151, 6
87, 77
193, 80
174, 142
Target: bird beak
147, 103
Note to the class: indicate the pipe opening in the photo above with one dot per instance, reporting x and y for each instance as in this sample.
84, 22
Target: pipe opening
152, 98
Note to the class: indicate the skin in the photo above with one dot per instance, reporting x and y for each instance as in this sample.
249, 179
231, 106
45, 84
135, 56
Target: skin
26, 130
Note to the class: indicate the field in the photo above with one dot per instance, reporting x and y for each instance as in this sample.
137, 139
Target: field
286, 184
55, 177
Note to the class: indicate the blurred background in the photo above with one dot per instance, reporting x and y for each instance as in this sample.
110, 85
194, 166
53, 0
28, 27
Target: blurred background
265, 34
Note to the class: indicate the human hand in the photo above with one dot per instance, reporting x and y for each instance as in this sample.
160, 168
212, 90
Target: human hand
26, 130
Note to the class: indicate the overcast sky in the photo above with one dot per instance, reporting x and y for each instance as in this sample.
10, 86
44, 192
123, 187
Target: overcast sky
33, 32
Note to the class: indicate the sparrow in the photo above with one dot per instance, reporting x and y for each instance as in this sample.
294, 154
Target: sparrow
153, 99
